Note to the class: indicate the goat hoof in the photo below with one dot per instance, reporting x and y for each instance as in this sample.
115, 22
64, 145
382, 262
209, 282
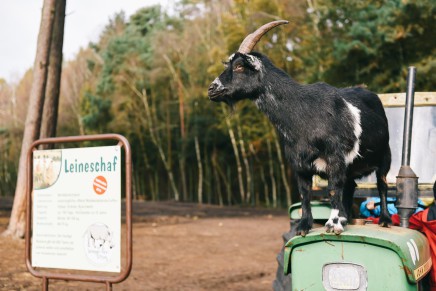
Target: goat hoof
385, 221
302, 231
338, 230
336, 225
304, 226
385, 224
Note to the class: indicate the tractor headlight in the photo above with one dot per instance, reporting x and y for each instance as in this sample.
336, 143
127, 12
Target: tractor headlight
344, 276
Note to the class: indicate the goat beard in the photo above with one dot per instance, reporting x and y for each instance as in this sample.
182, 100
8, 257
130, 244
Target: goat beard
231, 104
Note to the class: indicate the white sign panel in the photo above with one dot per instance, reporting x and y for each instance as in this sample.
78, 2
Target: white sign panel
77, 209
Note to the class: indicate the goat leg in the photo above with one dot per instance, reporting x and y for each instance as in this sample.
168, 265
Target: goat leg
382, 186
338, 217
304, 187
347, 198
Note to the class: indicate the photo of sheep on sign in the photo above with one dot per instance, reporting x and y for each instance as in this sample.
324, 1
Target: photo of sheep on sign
46, 168
340, 134
98, 243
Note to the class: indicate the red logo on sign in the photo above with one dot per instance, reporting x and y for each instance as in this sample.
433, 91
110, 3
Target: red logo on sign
100, 185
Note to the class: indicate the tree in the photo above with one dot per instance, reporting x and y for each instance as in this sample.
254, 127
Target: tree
16, 227
51, 102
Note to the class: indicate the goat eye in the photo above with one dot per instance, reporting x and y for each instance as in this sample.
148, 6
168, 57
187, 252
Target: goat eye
238, 68
226, 64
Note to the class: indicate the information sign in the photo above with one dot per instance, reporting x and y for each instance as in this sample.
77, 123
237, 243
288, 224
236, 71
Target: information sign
77, 208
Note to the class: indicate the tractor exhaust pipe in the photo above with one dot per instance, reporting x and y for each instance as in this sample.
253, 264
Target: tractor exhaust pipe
407, 181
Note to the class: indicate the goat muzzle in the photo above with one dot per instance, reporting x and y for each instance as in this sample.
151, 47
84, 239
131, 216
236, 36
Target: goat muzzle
215, 90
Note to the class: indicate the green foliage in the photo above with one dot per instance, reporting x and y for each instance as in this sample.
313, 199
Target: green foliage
95, 112
372, 42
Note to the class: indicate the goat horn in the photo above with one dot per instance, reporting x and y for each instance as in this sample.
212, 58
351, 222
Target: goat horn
252, 39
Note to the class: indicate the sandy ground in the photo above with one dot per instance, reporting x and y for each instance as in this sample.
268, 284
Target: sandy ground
177, 246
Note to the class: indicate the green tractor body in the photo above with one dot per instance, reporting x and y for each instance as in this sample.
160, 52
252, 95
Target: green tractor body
364, 257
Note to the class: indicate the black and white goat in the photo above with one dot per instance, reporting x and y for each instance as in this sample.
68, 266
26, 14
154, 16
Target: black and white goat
339, 134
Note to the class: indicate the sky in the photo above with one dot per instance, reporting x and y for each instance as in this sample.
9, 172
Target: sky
85, 19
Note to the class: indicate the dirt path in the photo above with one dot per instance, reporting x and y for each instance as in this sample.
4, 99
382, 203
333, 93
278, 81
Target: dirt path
178, 247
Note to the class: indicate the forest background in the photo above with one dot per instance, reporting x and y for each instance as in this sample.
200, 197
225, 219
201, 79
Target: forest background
147, 78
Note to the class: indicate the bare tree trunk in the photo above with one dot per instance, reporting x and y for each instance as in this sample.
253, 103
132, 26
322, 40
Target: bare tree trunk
156, 187
283, 171
155, 139
229, 188
262, 175
51, 102
271, 174
16, 227
265, 187
223, 177
159, 146
219, 192
181, 92
207, 177
217, 171
238, 160
247, 167
182, 166
142, 177
200, 172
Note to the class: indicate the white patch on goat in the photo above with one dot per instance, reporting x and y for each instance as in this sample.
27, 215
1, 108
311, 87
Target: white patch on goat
355, 113
217, 81
255, 62
337, 227
320, 164
333, 214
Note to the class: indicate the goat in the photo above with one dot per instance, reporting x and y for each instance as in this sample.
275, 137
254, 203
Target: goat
339, 134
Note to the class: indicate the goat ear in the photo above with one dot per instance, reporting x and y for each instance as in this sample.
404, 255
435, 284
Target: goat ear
253, 61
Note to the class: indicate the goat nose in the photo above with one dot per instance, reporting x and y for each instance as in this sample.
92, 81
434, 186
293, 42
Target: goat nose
212, 87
